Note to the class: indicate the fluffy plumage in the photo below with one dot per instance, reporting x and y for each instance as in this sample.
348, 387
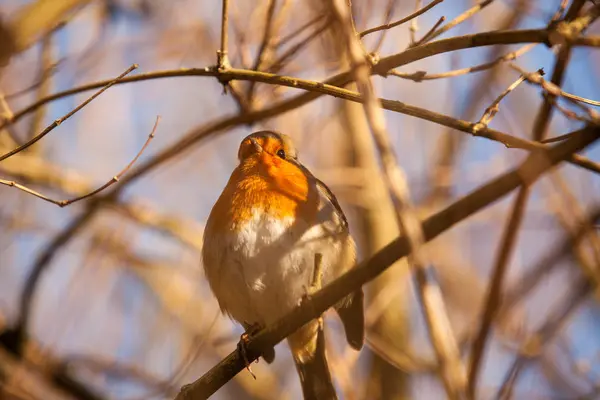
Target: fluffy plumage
260, 244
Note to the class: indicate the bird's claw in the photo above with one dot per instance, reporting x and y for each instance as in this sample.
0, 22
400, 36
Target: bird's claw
244, 341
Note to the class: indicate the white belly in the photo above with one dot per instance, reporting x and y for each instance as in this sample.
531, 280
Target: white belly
269, 265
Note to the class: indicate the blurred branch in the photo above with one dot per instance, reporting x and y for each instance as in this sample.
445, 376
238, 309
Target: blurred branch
66, 116
402, 361
547, 264
32, 22
115, 179
441, 336
461, 18
509, 236
40, 375
420, 76
102, 365
389, 11
401, 21
561, 9
280, 62
294, 34
318, 303
43, 90
385, 64
493, 299
414, 25
534, 346
14, 339
267, 38
571, 26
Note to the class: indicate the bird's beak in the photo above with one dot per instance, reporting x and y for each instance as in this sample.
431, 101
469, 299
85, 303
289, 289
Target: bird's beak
256, 145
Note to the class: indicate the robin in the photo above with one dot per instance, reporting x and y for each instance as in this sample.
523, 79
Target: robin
272, 229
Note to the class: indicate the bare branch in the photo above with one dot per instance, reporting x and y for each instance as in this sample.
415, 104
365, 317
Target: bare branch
66, 116
429, 33
461, 18
509, 238
491, 111
552, 89
222, 56
534, 345
420, 76
115, 179
441, 336
401, 21
385, 64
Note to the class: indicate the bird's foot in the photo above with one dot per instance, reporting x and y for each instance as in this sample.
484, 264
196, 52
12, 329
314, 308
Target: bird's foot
251, 330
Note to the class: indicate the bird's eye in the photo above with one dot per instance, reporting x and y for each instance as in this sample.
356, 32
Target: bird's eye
281, 154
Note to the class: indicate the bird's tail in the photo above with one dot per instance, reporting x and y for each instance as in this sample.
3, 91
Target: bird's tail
308, 349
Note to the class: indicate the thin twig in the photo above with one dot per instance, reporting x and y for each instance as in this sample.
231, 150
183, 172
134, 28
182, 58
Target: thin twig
424, 76
66, 116
551, 88
115, 179
427, 35
461, 18
401, 21
553, 91
222, 56
555, 139
429, 292
491, 111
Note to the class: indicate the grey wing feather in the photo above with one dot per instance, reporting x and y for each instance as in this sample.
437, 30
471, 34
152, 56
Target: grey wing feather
325, 191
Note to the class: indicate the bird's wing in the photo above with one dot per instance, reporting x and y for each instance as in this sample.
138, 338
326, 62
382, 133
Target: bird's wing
327, 198
326, 193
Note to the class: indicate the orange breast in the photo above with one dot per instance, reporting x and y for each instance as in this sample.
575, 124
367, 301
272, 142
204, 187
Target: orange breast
269, 184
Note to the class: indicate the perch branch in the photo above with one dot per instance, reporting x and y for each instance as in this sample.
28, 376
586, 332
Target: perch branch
368, 270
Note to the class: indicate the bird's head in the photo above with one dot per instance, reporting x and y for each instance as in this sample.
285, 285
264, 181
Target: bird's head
269, 160
268, 147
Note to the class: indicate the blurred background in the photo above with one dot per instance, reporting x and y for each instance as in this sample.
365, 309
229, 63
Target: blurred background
121, 309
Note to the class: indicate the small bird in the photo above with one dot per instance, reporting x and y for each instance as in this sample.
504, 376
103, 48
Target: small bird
273, 220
